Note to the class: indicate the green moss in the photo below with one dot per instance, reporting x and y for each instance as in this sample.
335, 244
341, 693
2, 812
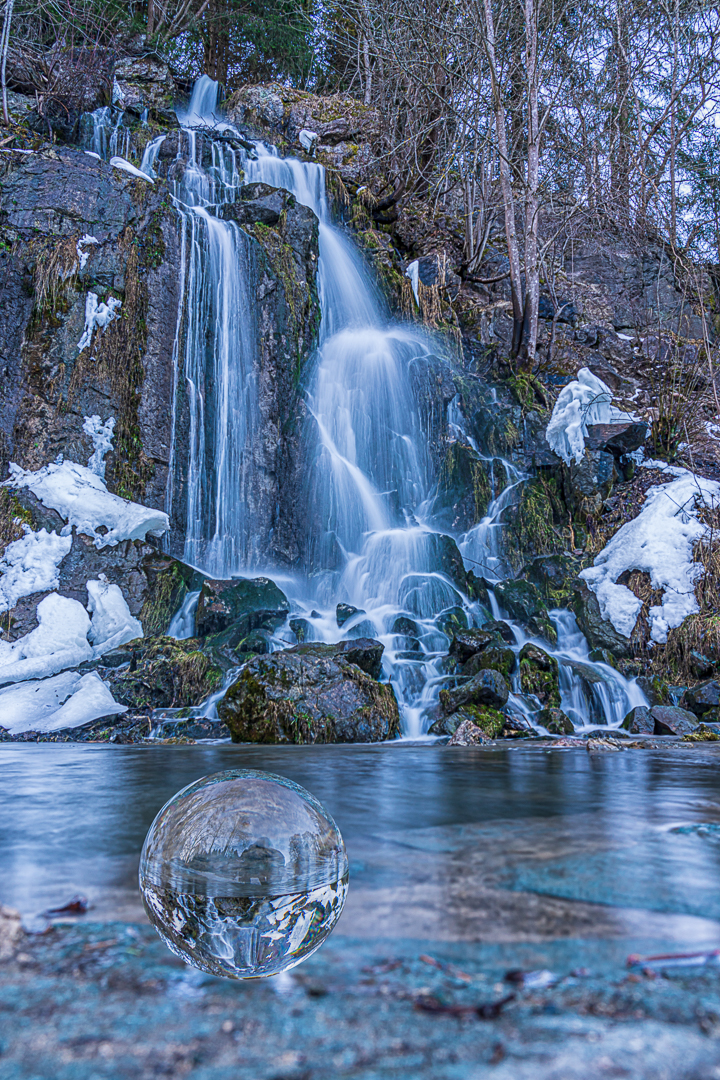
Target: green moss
12, 518
544, 684
535, 525
490, 721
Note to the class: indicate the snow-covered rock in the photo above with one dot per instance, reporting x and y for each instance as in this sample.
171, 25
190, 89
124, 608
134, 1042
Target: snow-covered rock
30, 565
587, 400
59, 641
64, 701
80, 496
660, 541
112, 624
126, 166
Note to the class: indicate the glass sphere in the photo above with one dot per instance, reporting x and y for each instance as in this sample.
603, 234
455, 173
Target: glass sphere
243, 874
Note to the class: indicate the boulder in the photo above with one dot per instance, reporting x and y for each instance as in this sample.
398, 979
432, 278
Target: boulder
246, 604
616, 438
161, 673
405, 627
486, 688
303, 695
671, 720
539, 675
522, 600
498, 626
468, 734
345, 612
589, 482
600, 633
555, 721
144, 83
451, 620
468, 642
701, 698
365, 653
554, 575
498, 658
639, 721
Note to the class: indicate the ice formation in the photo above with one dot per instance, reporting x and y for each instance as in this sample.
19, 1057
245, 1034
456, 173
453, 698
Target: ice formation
121, 163
63, 701
413, 273
80, 496
586, 400
83, 256
307, 139
112, 624
101, 435
30, 565
660, 541
97, 315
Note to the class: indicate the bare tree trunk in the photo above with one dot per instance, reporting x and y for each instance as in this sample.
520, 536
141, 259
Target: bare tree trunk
4, 45
150, 29
532, 197
673, 133
367, 98
505, 182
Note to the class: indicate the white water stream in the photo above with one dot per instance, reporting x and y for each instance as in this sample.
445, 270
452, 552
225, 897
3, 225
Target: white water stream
371, 540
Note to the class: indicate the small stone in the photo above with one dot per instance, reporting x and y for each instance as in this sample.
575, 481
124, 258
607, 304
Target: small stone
468, 734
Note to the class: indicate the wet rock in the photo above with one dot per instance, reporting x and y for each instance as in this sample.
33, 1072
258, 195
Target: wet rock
365, 653
259, 204
702, 733
195, 729
639, 721
447, 559
539, 675
522, 600
603, 656
451, 620
701, 698
616, 438
654, 689
601, 633
497, 626
251, 604
466, 485
468, 734
405, 627
556, 721
468, 642
499, 659
701, 665
554, 575
447, 725
486, 688
144, 83
345, 612
672, 720
301, 628
297, 696
162, 673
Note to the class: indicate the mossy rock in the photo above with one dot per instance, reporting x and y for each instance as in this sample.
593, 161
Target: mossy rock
539, 676
169, 582
555, 721
522, 600
499, 658
465, 487
244, 604
452, 620
536, 523
490, 721
554, 576
487, 688
297, 696
467, 642
162, 673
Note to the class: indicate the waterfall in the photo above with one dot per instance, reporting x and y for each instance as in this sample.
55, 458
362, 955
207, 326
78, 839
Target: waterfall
370, 536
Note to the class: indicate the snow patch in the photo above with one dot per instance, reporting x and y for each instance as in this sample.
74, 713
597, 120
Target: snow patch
101, 435
30, 565
586, 400
660, 541
97, 314
63, 701
80, 495
307, 139
83, 256
59, 641
121, 163
112, 624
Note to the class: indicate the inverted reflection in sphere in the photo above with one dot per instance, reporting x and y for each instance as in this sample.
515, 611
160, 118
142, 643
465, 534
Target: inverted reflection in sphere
243, 873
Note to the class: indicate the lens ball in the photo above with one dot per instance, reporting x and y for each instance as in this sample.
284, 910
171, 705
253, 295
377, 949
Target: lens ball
243, 874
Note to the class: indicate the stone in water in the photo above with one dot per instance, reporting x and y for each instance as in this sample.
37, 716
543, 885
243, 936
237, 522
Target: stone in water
243, 874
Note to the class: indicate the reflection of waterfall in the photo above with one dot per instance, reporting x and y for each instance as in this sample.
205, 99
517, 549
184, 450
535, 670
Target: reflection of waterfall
371, 540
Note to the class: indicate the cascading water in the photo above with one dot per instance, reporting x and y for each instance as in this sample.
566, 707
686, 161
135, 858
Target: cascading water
103, 132
371, 540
